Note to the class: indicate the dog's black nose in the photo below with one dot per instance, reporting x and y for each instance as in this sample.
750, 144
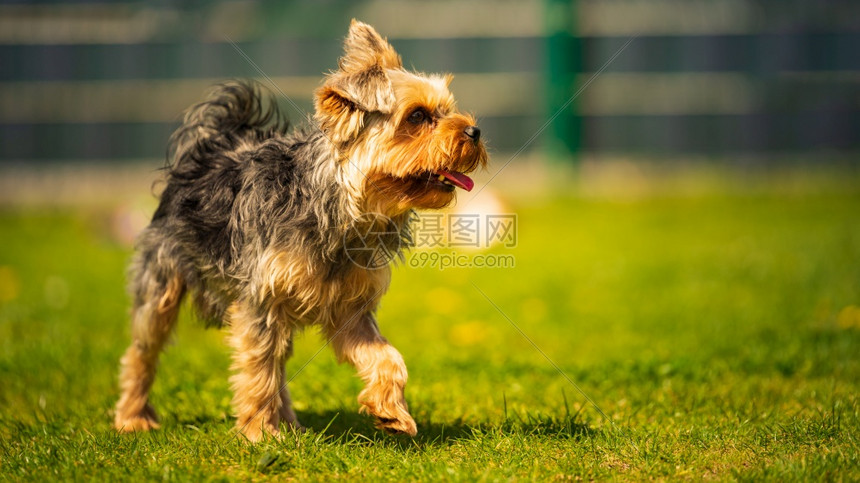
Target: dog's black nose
473, 132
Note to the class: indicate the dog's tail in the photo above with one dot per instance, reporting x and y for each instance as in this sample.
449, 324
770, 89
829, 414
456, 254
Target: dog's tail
234, 113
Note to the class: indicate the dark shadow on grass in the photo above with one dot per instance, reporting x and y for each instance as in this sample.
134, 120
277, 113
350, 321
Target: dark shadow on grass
349, 426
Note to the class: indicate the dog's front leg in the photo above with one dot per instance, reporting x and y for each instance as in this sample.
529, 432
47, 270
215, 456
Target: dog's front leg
262, 344
381, 368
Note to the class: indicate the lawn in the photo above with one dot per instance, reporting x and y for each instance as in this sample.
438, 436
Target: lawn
717, 331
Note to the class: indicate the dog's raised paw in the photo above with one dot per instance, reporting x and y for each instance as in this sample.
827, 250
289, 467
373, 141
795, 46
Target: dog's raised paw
397, 426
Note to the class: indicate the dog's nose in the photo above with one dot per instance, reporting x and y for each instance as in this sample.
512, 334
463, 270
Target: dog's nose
473, 132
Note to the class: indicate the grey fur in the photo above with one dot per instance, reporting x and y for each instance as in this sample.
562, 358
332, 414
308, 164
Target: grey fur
240, 184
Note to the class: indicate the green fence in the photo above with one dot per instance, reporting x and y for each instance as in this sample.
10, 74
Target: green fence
107, 81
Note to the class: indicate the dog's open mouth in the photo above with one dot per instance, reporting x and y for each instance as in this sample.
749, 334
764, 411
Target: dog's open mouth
447, 180
455, 178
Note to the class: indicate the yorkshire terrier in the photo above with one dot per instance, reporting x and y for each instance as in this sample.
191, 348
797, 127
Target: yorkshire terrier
261, 225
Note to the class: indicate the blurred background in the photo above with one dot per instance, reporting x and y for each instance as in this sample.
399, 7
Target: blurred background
85, 82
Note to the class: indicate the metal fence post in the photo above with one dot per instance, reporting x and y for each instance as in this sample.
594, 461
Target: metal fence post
563, 137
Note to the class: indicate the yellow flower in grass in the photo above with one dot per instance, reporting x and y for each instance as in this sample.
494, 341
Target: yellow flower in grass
849, 317
469, 333
10, 287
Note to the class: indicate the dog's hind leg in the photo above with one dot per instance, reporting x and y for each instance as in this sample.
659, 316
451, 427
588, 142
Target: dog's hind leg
157, 295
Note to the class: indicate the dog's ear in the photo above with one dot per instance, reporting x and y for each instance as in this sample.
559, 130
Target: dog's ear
364, 48
360, 85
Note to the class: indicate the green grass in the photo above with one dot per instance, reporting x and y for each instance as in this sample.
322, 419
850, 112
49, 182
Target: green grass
719, 332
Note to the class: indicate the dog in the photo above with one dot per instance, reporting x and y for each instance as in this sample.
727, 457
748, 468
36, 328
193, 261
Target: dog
266, 229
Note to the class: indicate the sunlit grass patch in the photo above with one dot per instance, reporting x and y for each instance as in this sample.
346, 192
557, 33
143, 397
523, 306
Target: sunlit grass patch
717, 332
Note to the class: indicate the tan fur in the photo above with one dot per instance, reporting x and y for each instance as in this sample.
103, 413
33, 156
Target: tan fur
383, 371
151, 327
261, 398
306, 297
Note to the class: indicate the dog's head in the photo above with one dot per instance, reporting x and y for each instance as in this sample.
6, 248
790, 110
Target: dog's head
401, 138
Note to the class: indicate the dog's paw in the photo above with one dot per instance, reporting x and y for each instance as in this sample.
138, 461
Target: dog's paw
256, 433
391, 413
404, 425
144, 420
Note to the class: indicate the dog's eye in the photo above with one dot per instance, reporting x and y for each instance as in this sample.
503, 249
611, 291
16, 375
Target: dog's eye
418, 116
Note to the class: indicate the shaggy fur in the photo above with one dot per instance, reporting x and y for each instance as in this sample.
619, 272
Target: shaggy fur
256, 221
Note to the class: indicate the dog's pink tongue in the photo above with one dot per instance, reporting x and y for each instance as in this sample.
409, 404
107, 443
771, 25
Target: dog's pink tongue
459, 179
